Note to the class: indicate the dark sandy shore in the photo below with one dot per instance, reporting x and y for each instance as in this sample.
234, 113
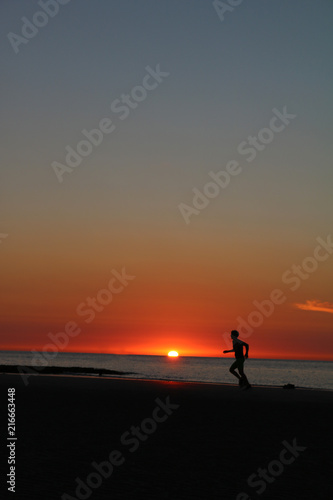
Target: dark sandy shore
167, 440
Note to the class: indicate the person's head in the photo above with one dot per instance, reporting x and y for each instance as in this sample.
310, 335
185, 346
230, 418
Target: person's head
234, 334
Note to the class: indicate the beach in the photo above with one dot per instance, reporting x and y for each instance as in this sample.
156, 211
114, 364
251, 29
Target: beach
107, 438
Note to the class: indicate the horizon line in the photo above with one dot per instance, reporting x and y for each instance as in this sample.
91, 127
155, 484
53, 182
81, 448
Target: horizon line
166, 355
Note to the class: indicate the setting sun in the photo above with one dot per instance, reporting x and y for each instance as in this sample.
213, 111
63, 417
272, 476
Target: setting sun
173, 354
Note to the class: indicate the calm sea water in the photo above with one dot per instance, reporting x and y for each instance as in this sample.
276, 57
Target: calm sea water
310, 374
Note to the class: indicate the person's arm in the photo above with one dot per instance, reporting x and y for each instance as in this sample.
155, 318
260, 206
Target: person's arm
246, 349
231, 350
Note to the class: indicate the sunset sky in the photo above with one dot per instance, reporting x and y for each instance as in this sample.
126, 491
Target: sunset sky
182, 98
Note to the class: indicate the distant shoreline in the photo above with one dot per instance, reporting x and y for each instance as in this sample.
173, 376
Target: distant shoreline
60, 370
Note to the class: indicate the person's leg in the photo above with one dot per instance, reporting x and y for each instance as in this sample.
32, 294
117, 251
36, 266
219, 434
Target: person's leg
241, 371
232, 369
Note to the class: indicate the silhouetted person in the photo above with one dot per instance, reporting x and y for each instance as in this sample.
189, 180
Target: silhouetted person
237, 345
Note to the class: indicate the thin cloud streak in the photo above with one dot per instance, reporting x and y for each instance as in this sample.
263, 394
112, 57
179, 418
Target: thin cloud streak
316, 305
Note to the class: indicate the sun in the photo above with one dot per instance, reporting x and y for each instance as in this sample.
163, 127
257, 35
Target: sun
173, 354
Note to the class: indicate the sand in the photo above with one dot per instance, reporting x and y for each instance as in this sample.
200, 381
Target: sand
166, 440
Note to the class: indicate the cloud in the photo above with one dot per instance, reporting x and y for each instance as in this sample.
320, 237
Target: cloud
316, 305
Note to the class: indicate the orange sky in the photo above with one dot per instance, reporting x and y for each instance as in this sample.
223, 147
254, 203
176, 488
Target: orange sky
166, 303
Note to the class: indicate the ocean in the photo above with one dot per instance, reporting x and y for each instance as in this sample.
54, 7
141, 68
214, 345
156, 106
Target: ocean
304, 374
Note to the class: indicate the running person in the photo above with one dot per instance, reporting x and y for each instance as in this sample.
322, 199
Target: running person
237, 345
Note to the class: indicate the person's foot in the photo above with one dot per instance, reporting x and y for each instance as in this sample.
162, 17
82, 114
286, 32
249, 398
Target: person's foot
241, 382
246, 386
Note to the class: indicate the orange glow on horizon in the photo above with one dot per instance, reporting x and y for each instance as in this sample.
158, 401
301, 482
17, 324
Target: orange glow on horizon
209, 353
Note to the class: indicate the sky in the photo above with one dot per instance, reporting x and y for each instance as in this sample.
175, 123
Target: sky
166, 177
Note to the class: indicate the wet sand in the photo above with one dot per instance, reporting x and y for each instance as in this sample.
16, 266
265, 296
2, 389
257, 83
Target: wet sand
166, 440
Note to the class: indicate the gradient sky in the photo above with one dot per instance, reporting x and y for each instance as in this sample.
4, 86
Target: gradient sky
119, 208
